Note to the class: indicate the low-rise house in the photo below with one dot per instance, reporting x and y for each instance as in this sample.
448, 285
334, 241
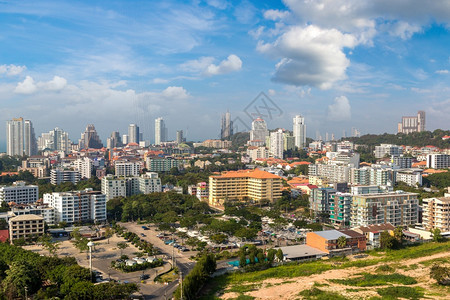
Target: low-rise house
25, 226
327, 241
373, 233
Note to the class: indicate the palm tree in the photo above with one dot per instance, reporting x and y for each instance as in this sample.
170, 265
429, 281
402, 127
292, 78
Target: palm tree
342, 242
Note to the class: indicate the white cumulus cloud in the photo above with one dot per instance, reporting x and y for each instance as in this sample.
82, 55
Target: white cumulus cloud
310, 56
26, 87
231, 64
275, 14
340, 110
56, 84
11, 70
441, 72
175, 92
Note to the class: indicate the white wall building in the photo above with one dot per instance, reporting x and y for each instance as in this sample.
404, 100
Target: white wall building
84, 166
114, 186
387, 149
19, 193
58, 176
277, 143
438, 161
411, 177
77, 206
128, 168
299, 131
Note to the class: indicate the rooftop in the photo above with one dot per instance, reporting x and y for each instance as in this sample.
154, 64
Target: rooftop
255, 173
331, 234
26, 218
298, 251
378, 227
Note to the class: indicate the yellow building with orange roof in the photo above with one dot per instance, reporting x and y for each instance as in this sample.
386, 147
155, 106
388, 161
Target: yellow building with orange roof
255, 185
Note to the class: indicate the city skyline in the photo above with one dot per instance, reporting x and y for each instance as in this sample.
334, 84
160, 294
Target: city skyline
188, 63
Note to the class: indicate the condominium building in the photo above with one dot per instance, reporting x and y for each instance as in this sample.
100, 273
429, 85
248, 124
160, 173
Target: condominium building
257, 152
114, 140
340, 208
397, 208
115, 186
90, 139
319, 200
412, 124
412, 177
226, 130
25, 226
56, 139
436, 213
58, 176
259, 131
48, 213
254, 185
128, 168
334, 173
20, 138
438, 161
133, 133
160, 131
387, 149
162, 164
77, 206
299, 131
84, 166
276, 147
218, 144
19, 193
202, 191
402, 162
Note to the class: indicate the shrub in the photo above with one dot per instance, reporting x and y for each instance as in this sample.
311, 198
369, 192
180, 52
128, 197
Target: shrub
404, 292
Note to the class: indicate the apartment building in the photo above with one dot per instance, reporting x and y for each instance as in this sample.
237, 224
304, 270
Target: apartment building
387, 149
319, 200
255, 185
48, 213
162, 164
202, 191
19, 193
438, 161
327, 241
340, 208
77, 206
25, 226
255, 152
402, 162
128, 168
397, 208
119, 186
436, 213
58, 176
411, 177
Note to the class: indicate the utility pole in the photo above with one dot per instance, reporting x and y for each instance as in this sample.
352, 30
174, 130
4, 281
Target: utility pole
26, 293
181, 283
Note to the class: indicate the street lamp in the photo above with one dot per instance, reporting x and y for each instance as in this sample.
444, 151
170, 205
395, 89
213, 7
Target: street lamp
90, 244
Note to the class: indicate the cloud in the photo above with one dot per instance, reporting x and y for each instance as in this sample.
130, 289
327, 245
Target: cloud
56, 84
220, 4
26, 87
197, 65
11, 70
340, 110
275, 14
310, 56
175, 92
403, 30
441, 72
160, 81
231, 64
29, 86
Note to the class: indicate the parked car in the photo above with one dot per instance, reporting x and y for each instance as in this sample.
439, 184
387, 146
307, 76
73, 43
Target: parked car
142, 234
144, 276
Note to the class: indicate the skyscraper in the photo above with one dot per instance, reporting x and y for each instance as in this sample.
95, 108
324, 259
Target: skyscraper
160, 131
133, 133
299, 130
20, 137
180, 138
56, 139
259, 130
227, 126
277, 143
114, 140
90, 139
412, 124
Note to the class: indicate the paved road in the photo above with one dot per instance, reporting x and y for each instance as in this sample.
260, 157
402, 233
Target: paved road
182, 261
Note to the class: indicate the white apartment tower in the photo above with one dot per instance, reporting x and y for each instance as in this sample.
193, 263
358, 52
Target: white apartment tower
299, 130
19, 193
160, 131
259, 130
20, 138
277, 143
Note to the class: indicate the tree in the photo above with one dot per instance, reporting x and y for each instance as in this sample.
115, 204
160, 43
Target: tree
79, 241
20, 276
387, 241
342, 242
398, 234
109, 232
48, 244
440, 273
437, 236
280, 255
122, 246
242, 260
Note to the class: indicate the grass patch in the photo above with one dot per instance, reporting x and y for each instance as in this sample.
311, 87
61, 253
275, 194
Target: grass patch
244, 297
355, 290
385, 269
318, 294
404, 292
376, 279
316, 284
243, 288
442, 260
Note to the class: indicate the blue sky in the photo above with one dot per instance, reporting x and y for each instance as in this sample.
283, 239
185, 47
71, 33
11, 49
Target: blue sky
340, 64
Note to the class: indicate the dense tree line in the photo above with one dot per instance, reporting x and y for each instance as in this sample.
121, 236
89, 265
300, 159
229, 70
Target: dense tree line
194, 281
9, 163
158, 207
419, 139
45, 277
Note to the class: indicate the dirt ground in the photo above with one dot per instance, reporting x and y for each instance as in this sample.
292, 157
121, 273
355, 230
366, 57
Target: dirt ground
289, 288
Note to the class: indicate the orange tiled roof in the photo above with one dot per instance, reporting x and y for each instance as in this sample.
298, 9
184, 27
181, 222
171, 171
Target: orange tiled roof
418, 164
433, 171
256, 173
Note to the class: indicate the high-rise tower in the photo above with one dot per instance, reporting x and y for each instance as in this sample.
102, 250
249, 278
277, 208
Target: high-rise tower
133, 133
20, 137
299, 131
